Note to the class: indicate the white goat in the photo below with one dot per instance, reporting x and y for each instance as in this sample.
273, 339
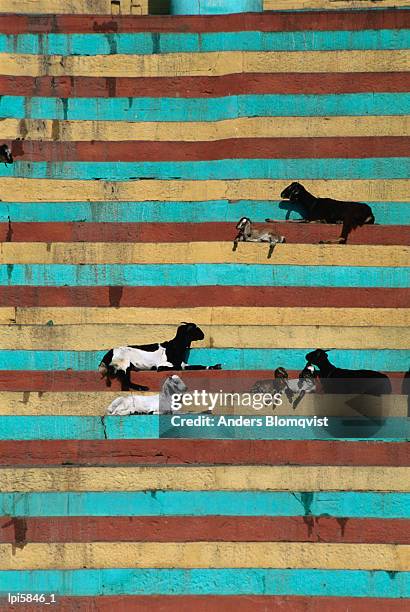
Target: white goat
149, 404
248, 234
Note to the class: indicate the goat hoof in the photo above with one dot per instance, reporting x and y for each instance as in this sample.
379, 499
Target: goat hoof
218, 366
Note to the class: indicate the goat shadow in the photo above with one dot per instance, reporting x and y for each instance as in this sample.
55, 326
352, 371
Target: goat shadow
295, 208
292, 207
365, 424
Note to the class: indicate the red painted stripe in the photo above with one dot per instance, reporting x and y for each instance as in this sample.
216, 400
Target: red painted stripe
211, 380
173, 297
192, 232
266, 22
216, 603
202, 452
19, 531
204, 87
230, 148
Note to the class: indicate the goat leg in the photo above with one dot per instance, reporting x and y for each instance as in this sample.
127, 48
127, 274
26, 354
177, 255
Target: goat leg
236, 240
126, 384
298, 399
135, 387
271, 247
347, 226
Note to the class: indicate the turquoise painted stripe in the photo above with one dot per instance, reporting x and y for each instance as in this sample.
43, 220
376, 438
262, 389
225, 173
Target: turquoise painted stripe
192, 275
386, 213
214, 7
205, 503
204, 109
150, 427
286, 169
316, 582
156, 42
231, 359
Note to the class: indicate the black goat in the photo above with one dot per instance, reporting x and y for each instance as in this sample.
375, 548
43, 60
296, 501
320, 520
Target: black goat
5, 154
343, 381
327, 210
170, 355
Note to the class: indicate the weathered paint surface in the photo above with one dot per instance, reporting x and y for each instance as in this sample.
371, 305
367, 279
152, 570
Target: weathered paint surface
139, 131
289, 555
282, 128
205, 529
205, 253
393, 429
214, 7
215, 478
204, 452
244, 337
103, 7
289, 5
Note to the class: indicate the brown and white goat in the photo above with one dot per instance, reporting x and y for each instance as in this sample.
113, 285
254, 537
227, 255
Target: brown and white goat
247, 233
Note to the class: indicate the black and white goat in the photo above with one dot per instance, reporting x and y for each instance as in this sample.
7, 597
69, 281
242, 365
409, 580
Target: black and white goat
247, 233
170, 355
161, 403
327, 210
343, 381
5, 155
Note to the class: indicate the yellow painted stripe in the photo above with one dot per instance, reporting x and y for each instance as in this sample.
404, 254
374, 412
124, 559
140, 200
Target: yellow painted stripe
297, 5
80, 555
214, 478
94, 404
203, 252
49, 190
7, 315
217, 315
246, 127
97, 337
204, 64
93, 7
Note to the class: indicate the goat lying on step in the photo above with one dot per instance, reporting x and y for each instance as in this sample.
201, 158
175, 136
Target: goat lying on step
327, 210
170, 355
343, 381
247, 233
161, 403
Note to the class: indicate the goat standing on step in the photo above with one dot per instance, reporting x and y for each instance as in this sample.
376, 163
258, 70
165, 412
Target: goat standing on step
343, 381
170, 355
327, 210
246, 233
